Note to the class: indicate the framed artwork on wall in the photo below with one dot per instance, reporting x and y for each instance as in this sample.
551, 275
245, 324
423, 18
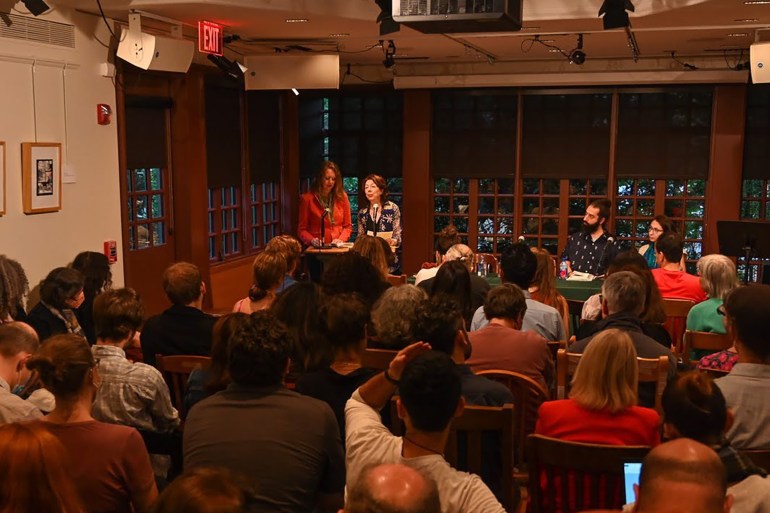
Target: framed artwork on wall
2, 178
41, 177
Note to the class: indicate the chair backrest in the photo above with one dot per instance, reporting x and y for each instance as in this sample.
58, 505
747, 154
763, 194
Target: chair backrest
476, 424
554, 346
591, 475
760, 457
176, 370
489, 259
676, 311
378, 358
575, 313
705, 341
528, 395
396, 280
651, 370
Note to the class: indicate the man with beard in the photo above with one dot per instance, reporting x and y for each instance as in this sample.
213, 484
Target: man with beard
591, 250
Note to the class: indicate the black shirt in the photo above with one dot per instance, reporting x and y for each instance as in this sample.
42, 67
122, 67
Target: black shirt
590, 256
179, 330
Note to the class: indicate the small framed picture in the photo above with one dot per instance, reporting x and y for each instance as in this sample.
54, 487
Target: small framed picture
2, 178
41, 180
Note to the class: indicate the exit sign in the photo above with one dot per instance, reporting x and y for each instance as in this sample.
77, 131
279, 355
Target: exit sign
210, 37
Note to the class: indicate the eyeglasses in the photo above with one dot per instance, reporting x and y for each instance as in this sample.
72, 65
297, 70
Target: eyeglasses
655, 230
721, 310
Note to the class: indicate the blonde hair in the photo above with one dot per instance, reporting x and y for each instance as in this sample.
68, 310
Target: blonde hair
462, 253
288, 247
371, 249
608, 374
718, 275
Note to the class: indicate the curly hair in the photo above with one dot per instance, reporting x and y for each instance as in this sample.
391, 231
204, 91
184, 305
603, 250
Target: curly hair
259, 351
14, 286
394, 315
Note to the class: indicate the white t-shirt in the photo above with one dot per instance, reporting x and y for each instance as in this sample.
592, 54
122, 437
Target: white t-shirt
425, 274
368, 442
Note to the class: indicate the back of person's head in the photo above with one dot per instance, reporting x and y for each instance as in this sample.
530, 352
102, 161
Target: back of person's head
629, 260
288, 247
447, 238
370, 248
518, 265
259, 351
299, 309
182, 283
454, 280
718, 275
460, 253
218, 377
345, 319
505, 302
64, 363
34, 469
438, 321
624, 291
16, 337
268, 271
607, 376
95, 268
604, 206
671, 245
394, 316
392, 488
695, 407
430, 391
387, 249
206, 490
61, 284
634, 262
683, 476
748, 309
14, 286
545, 279
118, 314
352, 272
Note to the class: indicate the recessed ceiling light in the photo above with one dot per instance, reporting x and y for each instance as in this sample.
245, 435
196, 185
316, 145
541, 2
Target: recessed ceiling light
341, 34
756, 2
296, 20
738, 34
747, 20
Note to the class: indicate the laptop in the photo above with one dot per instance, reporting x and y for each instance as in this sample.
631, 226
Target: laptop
631, 473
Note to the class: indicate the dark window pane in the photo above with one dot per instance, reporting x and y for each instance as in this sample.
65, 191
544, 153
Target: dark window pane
505, 206
157, 206
645, 208
696, 187
623, 227
624, 207
486, 245
441, 204
462, 224
531, 206
578, 188
550, 227
645, 188
577, 207
155, 179
551, 186
750, 209
141, 179
550, 206
440, 222
674, 187
158, 233
505, 226
598, 187
693, 230
625, 187
674, 208
531, 186
486, 186
141, 207
694, 208
486, 205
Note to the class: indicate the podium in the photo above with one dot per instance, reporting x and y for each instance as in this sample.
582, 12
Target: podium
318, 257
749, 240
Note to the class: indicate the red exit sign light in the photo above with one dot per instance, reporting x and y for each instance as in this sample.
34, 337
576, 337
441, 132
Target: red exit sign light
210, 38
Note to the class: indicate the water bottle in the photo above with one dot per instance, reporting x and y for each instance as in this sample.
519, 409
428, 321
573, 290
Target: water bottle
563, 269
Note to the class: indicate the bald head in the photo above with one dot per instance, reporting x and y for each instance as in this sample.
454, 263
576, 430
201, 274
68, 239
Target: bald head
393, 488
682, 476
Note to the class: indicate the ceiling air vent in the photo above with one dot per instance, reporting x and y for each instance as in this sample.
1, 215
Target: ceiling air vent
35, 29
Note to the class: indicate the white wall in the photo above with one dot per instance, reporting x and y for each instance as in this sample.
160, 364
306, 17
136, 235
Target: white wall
67, 87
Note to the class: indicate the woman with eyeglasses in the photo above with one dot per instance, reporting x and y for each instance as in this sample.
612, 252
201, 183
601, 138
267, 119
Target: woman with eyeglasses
326, 200
658, 226
61, 294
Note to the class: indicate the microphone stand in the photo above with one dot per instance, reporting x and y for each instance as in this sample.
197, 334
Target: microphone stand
610, 240
374, 221
323, 229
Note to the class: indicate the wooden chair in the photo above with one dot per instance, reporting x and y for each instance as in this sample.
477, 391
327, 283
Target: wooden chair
651, 370
760, 457
704, 341
396, 280
176, 371
676, 311
528, 395
378, 358
554, 346
575, 313
490, 260
476, 424
592, 472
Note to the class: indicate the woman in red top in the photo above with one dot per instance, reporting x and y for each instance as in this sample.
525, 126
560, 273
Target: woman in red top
326, 197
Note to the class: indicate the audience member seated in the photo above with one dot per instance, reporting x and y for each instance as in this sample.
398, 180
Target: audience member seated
543, 287
673, 282
623, 297
205, 382
447, 237
132, 394
183, 329
430, 397
17, 344
97, 276
718, 277
269, 271
206, 490
32, 463
601, 408
693, 407
352, 272
653, 316
369, 248
502, 345
345, 320
453, 280
285, 443
392, 488
723, 361
108, 463
747, 387
518, 266
291, 250
394, 317
299, 309
460, 254
14, 288
61, 294
683, 476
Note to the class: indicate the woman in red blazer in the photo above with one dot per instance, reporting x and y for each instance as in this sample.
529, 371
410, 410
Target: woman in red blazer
325, 195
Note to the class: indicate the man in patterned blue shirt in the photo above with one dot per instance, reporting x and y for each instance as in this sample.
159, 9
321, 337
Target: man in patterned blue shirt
592, 249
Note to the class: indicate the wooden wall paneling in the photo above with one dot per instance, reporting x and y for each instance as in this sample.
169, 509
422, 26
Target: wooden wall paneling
290, 164
612, 189
723, 189
230, 282
518, 191
417, 206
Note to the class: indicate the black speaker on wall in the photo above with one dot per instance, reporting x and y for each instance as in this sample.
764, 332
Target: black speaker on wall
36, 7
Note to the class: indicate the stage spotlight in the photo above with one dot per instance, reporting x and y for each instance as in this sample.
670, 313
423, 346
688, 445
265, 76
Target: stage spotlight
233, 69
615, 13
36, 7
578, 56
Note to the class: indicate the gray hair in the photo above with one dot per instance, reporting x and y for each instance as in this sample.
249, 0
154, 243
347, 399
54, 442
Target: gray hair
394, 315
624, 291
460, 252
718, 275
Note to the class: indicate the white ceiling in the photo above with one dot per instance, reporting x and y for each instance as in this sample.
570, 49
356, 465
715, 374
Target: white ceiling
697, 30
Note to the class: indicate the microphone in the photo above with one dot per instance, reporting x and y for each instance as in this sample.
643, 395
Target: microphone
326, 212
610, 240
521, 240
375, 207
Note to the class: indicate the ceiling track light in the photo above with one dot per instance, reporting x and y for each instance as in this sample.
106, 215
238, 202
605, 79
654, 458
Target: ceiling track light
390, 54
578, 56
